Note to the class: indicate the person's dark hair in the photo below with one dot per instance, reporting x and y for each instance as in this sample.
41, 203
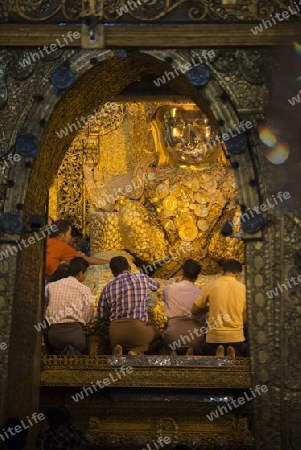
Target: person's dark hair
233, 266
56, 416
66, 411
77, 265
81, 245
61, 272
191, 269
18, 441
75, 232
118, 264
62, 227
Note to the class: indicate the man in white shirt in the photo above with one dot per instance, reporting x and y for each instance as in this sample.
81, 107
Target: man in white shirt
70, 306
184, 332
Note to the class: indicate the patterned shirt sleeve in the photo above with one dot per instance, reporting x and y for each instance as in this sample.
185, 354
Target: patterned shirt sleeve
164, 296
103, 309
46, 296
152, 284
88, 310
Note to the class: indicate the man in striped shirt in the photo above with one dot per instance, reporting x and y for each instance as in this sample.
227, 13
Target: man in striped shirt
124, 301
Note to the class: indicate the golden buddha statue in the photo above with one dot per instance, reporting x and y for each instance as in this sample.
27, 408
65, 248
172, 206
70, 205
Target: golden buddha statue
182, 135
185, 192
193, 193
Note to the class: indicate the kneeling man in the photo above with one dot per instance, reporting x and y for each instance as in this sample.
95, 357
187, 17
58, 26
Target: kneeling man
226, 298
70, 306
179, 298
124, 300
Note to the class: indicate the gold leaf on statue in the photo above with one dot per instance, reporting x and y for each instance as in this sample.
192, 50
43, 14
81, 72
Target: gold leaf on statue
162, 190
188, 232
170, 203
176, 190
201, 211
202, 225
182, 221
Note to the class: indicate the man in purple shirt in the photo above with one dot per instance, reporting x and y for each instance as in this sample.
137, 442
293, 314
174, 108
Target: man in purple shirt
124, 301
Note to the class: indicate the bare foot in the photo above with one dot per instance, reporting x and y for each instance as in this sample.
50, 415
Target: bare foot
132, 353
220, 352
231, 352
173, 353
117, 350
189, 351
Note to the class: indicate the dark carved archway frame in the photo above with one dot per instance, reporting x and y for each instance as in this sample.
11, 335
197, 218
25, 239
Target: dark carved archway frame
92, 88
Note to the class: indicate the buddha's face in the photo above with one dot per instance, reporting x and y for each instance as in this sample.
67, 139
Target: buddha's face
186, 133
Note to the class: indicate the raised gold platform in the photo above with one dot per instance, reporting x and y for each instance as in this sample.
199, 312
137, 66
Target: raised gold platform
161, 396
148, 371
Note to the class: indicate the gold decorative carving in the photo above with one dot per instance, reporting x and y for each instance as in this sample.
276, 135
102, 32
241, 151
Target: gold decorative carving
131, 420
42, 10
105, 232
96, 345
67, 194
134, 426
80, 370
156, 10
139, 234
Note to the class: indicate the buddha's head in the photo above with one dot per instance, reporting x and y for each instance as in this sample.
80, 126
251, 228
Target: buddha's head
182, 135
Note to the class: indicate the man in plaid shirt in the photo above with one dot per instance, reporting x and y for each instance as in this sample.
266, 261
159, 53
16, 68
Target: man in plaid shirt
124, 301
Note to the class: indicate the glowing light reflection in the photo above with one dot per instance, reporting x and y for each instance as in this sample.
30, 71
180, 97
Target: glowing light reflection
268, 137
297, 47
278, 154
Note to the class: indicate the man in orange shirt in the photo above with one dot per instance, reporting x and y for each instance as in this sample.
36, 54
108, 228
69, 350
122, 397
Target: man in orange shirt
59, 251
227, 313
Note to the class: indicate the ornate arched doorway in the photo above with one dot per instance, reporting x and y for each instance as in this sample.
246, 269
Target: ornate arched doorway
93, 87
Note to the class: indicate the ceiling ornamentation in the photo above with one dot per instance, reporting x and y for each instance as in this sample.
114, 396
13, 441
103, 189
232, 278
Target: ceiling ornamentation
163, 11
